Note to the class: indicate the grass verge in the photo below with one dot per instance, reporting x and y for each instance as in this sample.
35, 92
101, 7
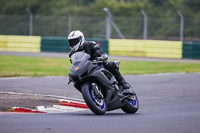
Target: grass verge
15, 66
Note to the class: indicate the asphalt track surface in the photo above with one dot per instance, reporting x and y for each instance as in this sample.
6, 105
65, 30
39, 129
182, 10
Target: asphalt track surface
169, 103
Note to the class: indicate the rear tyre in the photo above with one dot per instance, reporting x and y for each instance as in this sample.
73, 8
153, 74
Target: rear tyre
97, 105
131, 105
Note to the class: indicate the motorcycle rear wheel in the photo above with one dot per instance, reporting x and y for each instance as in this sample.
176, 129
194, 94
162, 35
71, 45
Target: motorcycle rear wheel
131, 106
96, 105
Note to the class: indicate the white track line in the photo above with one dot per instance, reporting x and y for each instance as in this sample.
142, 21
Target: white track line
58, 109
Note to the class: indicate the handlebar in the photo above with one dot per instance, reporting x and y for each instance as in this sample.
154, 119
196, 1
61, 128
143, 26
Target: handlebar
98, 62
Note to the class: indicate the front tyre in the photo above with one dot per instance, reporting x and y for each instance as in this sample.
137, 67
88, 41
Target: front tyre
131, 105
97, 105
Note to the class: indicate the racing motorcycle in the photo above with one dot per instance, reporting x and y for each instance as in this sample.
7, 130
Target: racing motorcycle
98, 86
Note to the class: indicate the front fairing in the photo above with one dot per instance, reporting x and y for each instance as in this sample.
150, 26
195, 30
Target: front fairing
79, 58
81, 66
84, 70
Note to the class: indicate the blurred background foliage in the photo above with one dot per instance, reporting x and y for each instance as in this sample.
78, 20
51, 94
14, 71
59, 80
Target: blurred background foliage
154, 8
163, 19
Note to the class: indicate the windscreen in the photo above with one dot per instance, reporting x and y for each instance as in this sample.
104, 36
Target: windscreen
79, 57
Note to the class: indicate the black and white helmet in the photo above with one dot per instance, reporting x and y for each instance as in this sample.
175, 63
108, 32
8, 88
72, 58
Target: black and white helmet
76, 39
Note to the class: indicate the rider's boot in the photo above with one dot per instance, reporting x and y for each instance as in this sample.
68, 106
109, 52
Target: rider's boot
126, 88
114, 69
120, 79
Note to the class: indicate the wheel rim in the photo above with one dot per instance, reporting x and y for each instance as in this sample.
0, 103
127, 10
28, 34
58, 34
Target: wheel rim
100, 103
133, 101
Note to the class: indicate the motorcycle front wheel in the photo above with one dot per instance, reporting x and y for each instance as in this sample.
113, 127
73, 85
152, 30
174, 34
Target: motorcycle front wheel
132, 105
96, 105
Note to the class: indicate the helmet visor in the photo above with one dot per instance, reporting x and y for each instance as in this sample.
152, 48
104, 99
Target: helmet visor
73, 42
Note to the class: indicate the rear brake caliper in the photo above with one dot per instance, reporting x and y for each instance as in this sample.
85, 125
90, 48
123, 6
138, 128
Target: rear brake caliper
130, 94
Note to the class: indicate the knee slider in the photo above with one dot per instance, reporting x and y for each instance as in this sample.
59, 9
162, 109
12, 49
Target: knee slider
112, 67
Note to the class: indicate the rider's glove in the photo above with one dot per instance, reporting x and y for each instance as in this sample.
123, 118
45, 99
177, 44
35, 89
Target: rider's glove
100, 59
103, 58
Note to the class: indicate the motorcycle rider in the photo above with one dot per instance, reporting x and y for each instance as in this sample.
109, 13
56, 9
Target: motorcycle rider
78, 43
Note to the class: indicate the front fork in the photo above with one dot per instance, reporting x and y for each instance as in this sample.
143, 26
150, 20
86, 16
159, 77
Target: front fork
97, 92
